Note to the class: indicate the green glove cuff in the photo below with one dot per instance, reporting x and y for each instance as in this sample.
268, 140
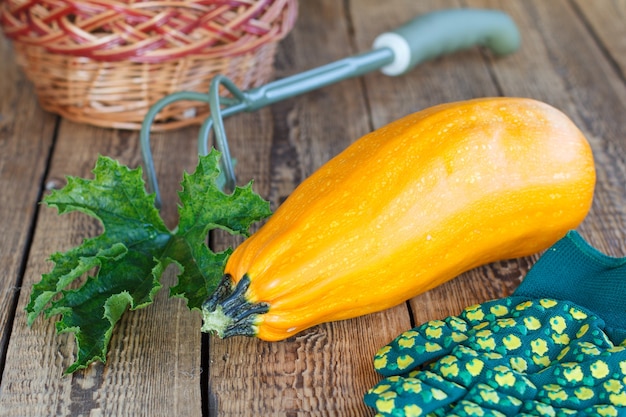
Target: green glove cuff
573, 270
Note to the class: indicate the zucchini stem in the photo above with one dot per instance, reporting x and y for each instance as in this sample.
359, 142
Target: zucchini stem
227, 312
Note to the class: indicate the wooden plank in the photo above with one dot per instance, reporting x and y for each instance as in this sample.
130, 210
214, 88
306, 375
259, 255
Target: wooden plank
606, 21
325, 370
154, 363
26, 134
529, 72
459, 76
571, 57
563, 65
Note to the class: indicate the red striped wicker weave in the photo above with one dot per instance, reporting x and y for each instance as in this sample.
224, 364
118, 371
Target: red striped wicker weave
105, 62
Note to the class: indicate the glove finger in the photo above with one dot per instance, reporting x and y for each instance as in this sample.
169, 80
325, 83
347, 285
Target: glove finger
537, 408
465, 408
610, 392
585, 340
420, 345
598, 380
490, 400
592, 345
539, 331
462, 367
467, 367
437, 338
418, 394
490, 311
580, 351
494, 326
604, 410
520, 329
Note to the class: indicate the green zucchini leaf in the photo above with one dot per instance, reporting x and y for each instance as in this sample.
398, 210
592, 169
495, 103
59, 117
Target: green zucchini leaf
127, 260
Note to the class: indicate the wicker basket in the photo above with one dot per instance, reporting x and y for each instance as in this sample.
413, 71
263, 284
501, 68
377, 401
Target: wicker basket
105, 62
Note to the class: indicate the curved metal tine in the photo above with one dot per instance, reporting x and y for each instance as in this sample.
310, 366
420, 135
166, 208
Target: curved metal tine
216, 122
144, 135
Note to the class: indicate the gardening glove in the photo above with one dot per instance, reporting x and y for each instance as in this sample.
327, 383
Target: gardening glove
557, 346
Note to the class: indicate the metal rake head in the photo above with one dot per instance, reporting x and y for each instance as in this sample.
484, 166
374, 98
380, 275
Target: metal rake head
394, 53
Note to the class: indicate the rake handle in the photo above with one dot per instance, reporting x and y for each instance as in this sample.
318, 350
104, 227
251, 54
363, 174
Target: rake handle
446, 31
394, 53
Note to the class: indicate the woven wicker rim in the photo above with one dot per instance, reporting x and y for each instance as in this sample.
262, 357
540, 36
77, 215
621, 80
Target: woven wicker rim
119, 94
106, 62
147, 31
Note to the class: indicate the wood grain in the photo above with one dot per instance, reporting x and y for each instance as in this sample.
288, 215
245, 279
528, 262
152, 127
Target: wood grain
606, 26
26, 134
460, 76
572, 56
579, 80
472, 73
325, 370
154, 362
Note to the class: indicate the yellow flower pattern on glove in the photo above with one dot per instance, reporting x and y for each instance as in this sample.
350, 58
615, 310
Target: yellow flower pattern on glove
506, 357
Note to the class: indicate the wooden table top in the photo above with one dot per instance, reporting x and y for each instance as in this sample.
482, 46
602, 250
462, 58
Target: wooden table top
573, 56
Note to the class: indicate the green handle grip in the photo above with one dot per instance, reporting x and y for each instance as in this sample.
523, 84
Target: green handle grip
446, 31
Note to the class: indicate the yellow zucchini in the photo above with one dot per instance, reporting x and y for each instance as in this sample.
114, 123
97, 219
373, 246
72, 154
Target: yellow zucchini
404, 209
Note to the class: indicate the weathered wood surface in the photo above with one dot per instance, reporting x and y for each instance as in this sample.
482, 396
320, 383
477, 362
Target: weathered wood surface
572, 56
